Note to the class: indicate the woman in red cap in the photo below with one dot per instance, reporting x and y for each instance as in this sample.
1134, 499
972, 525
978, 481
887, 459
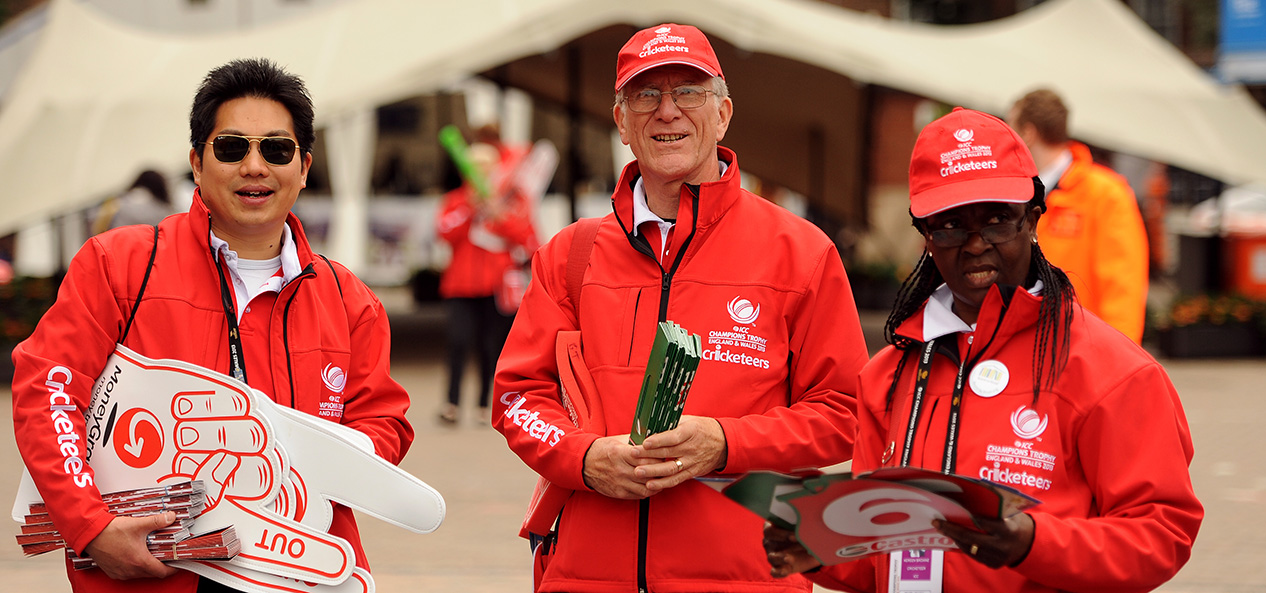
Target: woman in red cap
995, 372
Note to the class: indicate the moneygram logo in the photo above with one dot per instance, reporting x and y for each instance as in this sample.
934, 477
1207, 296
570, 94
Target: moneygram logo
1027, 424
138, 438
743, 311
964, 135
334, 378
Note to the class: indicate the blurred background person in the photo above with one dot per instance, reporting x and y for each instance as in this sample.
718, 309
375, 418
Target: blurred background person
147, 201
1093, 229
985, 336
492, 239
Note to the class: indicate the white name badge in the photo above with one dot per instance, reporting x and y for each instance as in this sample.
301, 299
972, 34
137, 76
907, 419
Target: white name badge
989, 378
915, 571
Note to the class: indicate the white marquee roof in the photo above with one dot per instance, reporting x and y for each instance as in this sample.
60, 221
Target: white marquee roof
99, 101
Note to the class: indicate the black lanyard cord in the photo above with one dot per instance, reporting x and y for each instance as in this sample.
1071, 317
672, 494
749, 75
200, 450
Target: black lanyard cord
237, 362
949, 461
920, 386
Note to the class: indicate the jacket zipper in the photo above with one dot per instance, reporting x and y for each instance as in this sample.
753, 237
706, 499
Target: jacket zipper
285, 328
644, 505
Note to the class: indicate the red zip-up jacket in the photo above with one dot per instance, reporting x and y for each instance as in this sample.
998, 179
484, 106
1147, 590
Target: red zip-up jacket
1106, 451
767, 293
325, 316
474, 271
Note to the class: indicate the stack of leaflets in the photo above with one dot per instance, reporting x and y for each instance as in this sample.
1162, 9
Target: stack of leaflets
187, 499
670, 371
221, 544
842, 517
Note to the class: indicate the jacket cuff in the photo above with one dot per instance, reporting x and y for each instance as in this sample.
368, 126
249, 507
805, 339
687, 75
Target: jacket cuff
575, 475
736, 459
88, 530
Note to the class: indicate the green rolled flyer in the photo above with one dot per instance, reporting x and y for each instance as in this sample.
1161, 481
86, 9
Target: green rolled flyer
670, 371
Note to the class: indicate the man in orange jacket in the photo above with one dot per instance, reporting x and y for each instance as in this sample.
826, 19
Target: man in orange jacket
1093, 229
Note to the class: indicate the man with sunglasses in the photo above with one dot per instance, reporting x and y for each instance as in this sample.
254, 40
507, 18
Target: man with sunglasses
233, 286
765, 291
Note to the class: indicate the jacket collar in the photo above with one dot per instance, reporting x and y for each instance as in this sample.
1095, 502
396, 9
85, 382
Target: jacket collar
200, 221
642, 210
1006, 311
700, 206
1076, 171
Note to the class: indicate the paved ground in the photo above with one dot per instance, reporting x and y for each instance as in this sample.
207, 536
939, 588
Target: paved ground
486, 487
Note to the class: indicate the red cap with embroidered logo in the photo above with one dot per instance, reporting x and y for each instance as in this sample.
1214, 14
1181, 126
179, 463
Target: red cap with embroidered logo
662, 45
968, 157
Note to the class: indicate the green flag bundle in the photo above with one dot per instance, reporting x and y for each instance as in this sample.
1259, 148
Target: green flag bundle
670, 371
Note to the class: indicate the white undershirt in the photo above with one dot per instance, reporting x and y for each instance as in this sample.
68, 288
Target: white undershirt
939, 318
252, 277
256, 272
642, 211
1051, 175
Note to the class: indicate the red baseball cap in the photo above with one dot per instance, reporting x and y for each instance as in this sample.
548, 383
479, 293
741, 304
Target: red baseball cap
662, 45
967, 157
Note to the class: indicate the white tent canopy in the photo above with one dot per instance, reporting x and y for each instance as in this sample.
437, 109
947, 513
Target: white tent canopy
99, 101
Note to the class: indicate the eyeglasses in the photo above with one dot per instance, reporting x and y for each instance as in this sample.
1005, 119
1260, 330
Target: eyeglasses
993, 234
648, 100
277, 150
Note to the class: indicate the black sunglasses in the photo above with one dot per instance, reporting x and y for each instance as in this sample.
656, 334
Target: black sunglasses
276, 150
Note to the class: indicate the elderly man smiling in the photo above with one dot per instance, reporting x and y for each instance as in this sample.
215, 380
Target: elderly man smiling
764, 289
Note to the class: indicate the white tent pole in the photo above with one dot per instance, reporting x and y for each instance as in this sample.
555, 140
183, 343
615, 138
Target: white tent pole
350, 141
35, 253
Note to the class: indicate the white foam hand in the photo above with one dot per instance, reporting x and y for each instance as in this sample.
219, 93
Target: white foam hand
158, 422
271, 472
332, 463
244, 488
262, 582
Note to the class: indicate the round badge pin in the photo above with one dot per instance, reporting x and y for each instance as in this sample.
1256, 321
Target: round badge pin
989, 378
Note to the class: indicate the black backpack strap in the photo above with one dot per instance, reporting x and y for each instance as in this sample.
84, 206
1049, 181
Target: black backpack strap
332, 271
144, 281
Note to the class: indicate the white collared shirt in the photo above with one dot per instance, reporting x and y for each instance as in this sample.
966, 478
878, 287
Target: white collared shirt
1051, 175
939, 318
245, 276
642, 212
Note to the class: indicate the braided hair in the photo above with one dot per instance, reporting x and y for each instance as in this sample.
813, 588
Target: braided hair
1055, 315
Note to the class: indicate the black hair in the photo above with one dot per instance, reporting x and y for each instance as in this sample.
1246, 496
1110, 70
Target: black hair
154, 183
1054, 318
258, 78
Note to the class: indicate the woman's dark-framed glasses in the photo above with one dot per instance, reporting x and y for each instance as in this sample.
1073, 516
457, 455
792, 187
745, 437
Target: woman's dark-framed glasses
648, 100
276, 150
993, 234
